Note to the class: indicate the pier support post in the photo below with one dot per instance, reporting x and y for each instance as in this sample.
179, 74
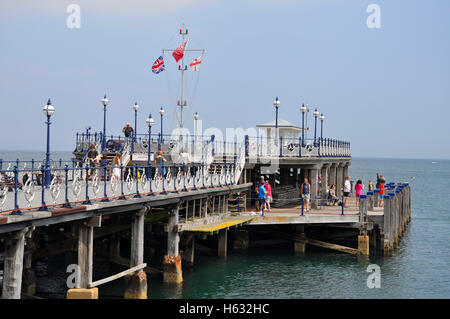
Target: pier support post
363, 239
13, 265
324, 180
222, 245
376, 197
29, 277
136, 283
339, 180
332, 179
370, 200
363, 245
314, 172
299, 242
172, 261
387, 247
85, 264
189, 250
241, 239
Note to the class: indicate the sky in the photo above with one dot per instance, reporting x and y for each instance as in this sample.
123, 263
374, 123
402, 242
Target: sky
386, 89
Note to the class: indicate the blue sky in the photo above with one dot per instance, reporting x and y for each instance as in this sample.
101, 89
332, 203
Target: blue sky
386, 90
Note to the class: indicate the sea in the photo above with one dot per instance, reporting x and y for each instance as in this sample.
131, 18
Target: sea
419, 268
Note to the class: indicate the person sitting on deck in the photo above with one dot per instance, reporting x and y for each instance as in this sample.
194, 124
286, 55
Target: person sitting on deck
305, 190
332, 195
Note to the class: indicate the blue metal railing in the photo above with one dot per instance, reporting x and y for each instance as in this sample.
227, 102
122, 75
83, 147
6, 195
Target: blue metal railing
101, 183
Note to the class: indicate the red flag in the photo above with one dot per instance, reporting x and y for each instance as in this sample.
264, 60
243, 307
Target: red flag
179, 52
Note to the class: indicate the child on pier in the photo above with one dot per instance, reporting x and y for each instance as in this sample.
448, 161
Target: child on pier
358, 190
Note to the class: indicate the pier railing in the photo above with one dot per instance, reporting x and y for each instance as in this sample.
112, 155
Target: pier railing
70, 186
296, 147
259, 146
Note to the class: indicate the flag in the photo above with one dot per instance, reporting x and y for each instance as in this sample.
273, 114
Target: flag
195, 65
179, 52
158, 66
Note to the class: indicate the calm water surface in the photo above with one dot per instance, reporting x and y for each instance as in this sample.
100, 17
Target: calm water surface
420, 268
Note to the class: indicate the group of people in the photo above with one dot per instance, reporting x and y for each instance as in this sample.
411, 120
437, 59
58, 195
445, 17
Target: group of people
264, 192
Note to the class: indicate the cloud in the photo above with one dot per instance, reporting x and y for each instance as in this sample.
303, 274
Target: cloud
107, 7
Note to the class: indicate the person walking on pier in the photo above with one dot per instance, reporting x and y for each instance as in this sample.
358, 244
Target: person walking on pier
262, 196
380, 200
116, 166
305, 190
260, 182
358, 191
269, 195
347, 189
128, 131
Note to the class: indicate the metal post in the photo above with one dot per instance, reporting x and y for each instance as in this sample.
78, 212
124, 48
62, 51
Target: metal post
16, 204
87, 201
104, 129
66, 171
105, 196
47, 155
43, 205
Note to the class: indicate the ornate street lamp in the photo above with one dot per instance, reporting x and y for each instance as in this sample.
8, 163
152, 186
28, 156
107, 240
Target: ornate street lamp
150, 121
161, 112
105, 102
196, 116
303, 110
322, 117
316, 115
136, 109
48, 112
277, 106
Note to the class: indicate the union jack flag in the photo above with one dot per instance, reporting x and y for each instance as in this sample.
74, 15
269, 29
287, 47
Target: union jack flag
158, 66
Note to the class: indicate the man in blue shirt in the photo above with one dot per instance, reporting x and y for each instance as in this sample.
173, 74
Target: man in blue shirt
306, 194
262, 196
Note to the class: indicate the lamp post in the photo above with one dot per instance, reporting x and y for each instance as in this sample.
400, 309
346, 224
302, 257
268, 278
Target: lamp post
150, 121
105, 102
303, 110
48, 111
161, 112
196, 116
277, 105
136, 109
316, 115
322, 117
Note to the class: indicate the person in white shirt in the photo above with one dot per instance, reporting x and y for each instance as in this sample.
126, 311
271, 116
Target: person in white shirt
347, 189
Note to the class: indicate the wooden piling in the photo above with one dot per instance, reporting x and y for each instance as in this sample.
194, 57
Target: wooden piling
189, 250
222, 244
136, 283
13, 265
299, 240
240, 239
172, 261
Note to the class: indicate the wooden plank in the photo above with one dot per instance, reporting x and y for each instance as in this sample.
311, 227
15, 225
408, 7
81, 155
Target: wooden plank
65, 211
116, 276
323, 244
223, 224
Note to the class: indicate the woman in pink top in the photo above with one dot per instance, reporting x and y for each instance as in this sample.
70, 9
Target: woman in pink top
358, 189
268, 195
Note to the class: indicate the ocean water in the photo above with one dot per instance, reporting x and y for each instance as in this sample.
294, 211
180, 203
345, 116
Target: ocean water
419, 268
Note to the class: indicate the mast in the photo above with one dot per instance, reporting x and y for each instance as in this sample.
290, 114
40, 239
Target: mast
182, 103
